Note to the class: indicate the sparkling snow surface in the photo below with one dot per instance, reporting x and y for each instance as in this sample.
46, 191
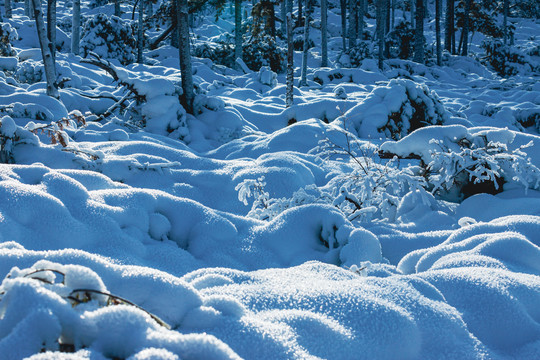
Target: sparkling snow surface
160, 222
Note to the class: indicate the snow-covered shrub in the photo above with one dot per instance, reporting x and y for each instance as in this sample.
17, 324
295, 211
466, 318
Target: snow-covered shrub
110, 37
506, 60
221, 53
400, 41
7, 35
267, 76
30, 72
366, 190
263, 51
395, 110
526, 9
362, 50
479, 167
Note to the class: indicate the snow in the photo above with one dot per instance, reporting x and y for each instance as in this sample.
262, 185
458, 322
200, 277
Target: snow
387, 214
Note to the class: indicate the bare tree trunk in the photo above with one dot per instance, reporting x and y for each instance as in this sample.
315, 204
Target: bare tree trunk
117, 9
300, 13
51, 25
343, 7
174, 20
148, 9
303, 73
283, 14
48, 60
506, 6
380, 31
324, 31
411, 5
185, 55
7, 6
393, 24
353, 17
419, 33
290, 61
387, 17
76, 27
449, 43
237, 29
140, 33
465, 33
438, 8
361, 15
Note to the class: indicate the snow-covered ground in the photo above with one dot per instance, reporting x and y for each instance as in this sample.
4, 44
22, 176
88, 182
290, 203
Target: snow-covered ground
260, 232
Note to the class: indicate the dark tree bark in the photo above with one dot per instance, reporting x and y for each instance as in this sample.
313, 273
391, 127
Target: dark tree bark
324, 33
438, 8
51, 26
343, 7
380, 30
361, 15
465, 31
353, 18
290, 61
117, 9
506, 6
7, 7
237, 29
140, 32
419, 33
48, 60
174, 20
449, 37
76, 27
299, 21
185, 55
307, 22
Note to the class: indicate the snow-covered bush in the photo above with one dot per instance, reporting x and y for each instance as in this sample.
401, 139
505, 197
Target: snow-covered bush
395, 110
354, 56
7, 35
400, 41
221, 53
364, 191
506, 60
30, 72
479, 167
526, 8
263, 51
110, 37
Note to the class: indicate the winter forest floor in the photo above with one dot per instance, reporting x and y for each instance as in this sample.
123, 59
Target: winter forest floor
388, 214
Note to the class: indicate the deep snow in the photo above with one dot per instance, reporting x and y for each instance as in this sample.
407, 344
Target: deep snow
239, 233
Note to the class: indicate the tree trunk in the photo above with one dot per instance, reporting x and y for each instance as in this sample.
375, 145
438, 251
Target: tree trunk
380, 31
283, 14
290, 61
48, 60
449, 43
237, 29
303, 74
174, 20
76, 27
300, 13
117, 9
185, 55
393, 24
343, 7
51, 25
505, 20
7, 6
419, 33
361, 14
465, 48
140, 33
353, 17
411, 5
387, 17
324, 33
438, 8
